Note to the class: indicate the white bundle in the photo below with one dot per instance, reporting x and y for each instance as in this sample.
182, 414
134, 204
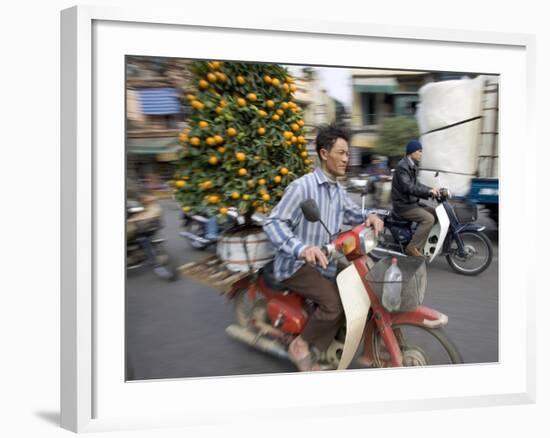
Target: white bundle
451, 151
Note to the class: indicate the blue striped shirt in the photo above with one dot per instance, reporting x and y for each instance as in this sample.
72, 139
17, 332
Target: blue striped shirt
290, 232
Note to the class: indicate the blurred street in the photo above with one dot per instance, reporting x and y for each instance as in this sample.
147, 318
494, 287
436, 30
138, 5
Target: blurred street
177, 329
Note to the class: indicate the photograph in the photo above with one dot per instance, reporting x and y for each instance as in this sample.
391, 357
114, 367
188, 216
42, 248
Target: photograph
286, 218
240, 219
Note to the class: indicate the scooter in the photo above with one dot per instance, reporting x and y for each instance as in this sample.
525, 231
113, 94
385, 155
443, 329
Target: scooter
269, 316
143, 246
455, 235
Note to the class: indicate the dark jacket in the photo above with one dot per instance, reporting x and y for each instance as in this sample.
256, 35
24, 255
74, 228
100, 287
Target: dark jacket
405, 189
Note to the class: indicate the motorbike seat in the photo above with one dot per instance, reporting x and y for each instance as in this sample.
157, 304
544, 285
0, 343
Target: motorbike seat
270, 280
395, 219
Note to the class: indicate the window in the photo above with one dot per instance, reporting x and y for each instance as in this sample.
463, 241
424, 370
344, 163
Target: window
368, 107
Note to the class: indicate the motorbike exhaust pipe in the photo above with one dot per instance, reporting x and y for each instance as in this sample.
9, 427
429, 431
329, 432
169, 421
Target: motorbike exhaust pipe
257, 341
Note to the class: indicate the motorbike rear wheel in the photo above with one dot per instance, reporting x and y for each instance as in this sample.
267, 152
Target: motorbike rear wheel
246, 311
420, 346
479, 254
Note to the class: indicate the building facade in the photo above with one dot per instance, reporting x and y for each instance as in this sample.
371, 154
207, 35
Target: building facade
155, 114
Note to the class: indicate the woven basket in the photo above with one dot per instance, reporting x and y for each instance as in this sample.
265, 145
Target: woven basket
414, 280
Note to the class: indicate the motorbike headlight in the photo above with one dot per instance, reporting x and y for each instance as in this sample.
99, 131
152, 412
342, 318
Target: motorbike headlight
368, 240
133, 206
348, 245
135, 209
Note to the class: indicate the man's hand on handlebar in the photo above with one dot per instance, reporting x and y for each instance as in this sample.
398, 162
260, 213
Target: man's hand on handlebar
375, 222
434, 192
314, 255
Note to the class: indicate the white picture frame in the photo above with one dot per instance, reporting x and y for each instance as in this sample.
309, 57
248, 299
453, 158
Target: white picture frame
93, 395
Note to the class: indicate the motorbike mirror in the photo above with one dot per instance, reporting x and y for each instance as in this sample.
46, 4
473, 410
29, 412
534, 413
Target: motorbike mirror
312, 214
311, 210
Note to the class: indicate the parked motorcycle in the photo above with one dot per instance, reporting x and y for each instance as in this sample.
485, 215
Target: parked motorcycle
143, 246
269, 316
455, 235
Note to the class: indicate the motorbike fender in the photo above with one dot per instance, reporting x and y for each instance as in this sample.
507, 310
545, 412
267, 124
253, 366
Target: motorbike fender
439, 230
356, 303
455, 236
421, 316
470, 227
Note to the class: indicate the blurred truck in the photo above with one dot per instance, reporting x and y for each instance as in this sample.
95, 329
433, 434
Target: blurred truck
458, 120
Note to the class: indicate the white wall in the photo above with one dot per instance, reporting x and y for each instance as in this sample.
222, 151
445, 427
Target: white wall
29, 319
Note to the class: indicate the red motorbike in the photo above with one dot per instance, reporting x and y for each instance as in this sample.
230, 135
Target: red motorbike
269, 316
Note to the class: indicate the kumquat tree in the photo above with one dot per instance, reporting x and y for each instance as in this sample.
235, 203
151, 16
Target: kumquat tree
245, 141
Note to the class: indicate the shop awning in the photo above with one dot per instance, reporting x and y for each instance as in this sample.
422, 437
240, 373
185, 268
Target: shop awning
375, 85
375, 88
159, 101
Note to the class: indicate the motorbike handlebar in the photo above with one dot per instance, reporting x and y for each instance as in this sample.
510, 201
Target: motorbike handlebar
442, 195
328, 250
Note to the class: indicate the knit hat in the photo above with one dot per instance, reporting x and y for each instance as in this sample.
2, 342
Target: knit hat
413, 146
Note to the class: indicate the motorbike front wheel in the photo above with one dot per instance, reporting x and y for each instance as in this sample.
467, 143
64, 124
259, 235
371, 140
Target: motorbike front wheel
420, 346
478, 254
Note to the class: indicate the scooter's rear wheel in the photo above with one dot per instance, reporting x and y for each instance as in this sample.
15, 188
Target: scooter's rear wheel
248, 311
420, 346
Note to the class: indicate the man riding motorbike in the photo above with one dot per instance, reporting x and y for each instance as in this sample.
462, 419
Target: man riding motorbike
299, 262
406, 193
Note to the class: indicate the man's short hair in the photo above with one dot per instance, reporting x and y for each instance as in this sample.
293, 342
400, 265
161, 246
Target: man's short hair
327, 136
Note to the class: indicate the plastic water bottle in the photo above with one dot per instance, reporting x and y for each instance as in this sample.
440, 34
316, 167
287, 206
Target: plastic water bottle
391, 293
